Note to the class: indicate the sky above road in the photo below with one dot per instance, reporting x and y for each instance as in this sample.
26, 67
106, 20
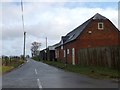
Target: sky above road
47, 18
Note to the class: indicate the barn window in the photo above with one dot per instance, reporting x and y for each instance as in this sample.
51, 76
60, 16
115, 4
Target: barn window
62, 44
68, 51
64, 53
62, 47
55, 53
100, 25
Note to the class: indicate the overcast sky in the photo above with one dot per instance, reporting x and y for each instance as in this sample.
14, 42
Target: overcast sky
47, 19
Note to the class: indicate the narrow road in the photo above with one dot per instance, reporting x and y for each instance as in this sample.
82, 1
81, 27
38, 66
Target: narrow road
35, 74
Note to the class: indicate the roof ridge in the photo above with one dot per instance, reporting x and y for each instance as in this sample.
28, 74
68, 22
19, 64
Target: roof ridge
98, 16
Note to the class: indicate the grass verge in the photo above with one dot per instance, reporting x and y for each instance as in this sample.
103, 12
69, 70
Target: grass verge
6, 69
92, 71
14, 64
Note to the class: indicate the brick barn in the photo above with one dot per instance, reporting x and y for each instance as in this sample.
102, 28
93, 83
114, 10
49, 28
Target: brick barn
48, 53
98, 31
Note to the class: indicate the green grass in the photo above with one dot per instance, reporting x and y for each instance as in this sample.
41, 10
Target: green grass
92, 71
36, 58
6, 69
0, 66
10, 66
16, 64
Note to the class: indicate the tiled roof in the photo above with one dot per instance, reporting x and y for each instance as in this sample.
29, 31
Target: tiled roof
77, 31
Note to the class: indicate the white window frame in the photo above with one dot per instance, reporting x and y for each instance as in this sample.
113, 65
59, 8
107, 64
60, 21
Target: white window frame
101, 24
68, 51
56, 55
62, 47
62, 44
64, 53
73, 56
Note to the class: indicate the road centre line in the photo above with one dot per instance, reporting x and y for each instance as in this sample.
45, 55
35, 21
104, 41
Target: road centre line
36, 71
39, 83
38, 80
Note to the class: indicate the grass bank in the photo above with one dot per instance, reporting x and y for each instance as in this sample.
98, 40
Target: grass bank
12, 65
92, 71
6, 69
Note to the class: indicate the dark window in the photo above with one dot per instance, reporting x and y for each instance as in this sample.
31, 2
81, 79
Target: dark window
100, 25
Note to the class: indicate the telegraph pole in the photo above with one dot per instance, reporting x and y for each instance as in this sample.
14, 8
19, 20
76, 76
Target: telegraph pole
24, 45
46, 42
46, 48
23, 30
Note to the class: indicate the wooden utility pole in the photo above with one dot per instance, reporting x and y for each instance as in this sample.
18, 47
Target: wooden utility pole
24, 45
46, 42
23, 30
46, 48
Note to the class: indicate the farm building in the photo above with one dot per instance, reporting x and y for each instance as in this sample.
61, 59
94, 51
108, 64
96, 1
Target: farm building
43, 55
51, 53
48, 54
98, 31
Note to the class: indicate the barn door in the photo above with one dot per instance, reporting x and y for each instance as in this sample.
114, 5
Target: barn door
73, 56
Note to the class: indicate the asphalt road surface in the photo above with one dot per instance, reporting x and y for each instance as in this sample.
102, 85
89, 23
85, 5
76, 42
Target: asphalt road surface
35, 74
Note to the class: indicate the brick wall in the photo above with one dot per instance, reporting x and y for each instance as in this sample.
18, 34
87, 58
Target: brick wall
106, 37
98, 38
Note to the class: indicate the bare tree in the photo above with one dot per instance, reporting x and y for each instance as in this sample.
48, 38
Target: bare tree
35, 48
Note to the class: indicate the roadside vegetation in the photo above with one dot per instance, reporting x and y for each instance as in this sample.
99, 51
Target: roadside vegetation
92, 71
36, 58
9, 63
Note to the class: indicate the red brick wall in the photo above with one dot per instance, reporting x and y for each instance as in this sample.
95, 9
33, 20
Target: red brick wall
106, 37
69, 56
98, 38
59, 54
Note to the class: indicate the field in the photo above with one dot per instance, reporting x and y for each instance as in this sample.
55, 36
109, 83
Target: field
7, 65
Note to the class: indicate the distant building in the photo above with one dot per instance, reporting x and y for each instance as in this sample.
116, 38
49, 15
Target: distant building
98, 31
48, 54
43, 54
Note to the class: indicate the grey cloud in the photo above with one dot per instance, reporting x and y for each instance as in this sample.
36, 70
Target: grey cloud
43, 21
10, 34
